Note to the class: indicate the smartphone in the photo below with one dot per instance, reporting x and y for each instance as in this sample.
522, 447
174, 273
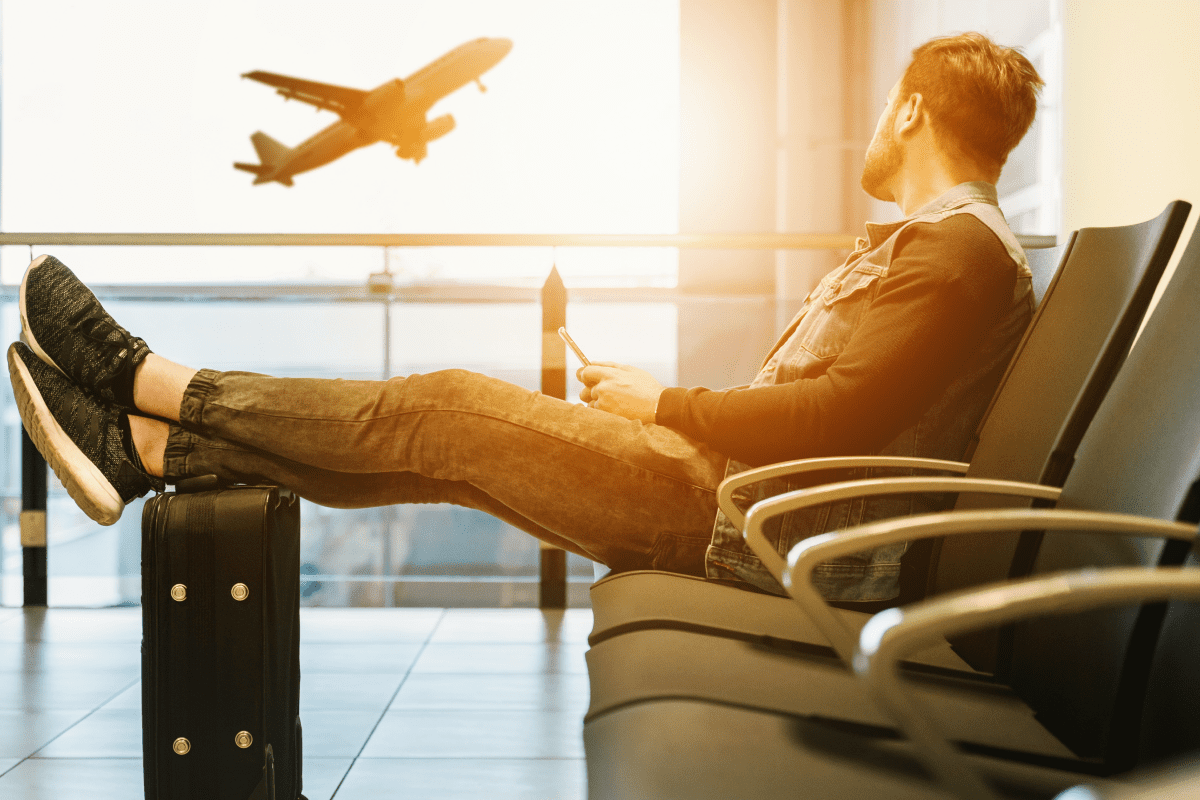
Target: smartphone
566, 337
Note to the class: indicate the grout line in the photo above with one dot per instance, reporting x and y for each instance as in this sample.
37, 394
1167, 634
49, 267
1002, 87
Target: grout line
391, 700
73, 725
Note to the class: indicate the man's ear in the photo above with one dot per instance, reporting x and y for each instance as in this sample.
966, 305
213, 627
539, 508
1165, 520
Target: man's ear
911, 115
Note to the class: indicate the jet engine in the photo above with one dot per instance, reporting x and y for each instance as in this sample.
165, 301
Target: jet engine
434, 129
437, 128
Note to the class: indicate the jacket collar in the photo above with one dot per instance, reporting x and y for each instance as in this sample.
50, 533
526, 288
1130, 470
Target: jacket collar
960, 195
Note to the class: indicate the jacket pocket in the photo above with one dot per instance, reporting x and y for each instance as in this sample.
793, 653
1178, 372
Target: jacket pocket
835, 314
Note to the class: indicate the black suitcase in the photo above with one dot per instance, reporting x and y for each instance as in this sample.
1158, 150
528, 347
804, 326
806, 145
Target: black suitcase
221, 644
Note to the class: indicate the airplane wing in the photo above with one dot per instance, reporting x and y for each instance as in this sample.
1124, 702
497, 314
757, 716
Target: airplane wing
337, 99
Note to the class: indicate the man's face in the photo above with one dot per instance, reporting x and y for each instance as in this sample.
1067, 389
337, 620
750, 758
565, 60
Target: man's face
884, 156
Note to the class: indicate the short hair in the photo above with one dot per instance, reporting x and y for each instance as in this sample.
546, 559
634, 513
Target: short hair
983, 95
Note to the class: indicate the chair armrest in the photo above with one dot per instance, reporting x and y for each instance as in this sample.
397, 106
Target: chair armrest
805, 556
764, 510
1170, 782
896, 633
784, 468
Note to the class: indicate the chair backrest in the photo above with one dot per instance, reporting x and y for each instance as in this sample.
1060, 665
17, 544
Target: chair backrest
1044, 263
1140, 455
1170, 720
1063, 366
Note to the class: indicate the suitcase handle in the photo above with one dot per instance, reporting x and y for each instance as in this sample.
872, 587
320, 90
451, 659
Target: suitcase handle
199, 483
208, 483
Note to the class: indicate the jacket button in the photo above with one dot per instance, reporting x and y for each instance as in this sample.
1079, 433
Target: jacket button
240, 591
243, 739
179, 592
181, 746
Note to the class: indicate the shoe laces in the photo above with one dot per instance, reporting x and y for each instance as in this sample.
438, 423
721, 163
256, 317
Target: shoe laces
114, 341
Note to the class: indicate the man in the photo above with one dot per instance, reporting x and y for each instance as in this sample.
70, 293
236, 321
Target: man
898, 351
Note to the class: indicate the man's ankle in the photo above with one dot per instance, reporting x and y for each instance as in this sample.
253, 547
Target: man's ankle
148, 443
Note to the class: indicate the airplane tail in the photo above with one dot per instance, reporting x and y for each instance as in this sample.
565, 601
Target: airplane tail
273, 155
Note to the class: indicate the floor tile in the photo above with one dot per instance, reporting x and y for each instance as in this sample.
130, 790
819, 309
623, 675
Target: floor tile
70, 656
60, 689
477, 734
74, 625
367, 691
323, 775
466, 779
332, 734
494, 692
530, 659
368, 624
523, 625
24, 732
108, 733
94, 779
131, 698
352, 657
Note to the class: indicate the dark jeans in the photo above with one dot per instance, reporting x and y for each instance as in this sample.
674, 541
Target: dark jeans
629, 495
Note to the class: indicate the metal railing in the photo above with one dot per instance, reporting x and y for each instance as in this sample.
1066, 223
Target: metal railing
710, 241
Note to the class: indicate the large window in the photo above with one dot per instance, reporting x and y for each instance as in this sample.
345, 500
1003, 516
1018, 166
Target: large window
128, 116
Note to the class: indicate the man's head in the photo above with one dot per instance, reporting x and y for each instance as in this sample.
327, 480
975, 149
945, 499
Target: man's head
979, 98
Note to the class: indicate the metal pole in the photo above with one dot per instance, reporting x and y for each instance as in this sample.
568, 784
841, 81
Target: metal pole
33, 521
388, 512
386, 280
552, 590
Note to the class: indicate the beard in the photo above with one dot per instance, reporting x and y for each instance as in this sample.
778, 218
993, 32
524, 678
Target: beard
884, 159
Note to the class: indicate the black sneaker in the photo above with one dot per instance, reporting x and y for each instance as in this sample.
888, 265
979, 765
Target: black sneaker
65, 325
81, 438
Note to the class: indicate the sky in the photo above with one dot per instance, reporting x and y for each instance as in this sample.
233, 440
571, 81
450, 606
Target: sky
127, 116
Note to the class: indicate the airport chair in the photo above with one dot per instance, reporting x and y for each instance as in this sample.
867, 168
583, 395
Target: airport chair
1139, 457
682, 748
1072, 348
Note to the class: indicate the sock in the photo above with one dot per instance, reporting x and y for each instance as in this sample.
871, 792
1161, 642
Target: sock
122, 385
127, 441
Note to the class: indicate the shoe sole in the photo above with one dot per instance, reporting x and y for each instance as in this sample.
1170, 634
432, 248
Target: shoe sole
26, 332
84, 482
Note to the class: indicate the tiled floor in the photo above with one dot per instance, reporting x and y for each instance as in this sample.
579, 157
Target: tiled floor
412, 703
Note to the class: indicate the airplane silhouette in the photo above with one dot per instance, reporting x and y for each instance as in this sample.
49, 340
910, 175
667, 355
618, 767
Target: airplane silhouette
393, 113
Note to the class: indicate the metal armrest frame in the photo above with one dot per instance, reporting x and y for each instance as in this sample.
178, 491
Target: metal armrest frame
892, 635
764, 510
805, 556
785, 468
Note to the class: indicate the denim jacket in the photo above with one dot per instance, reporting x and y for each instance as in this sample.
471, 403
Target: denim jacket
824, 325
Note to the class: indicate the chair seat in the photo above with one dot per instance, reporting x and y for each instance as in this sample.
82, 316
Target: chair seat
650, 665
679, 749
628, 601
633, 601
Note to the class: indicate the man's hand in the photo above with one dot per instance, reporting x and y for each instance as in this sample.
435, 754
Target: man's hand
620, 389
